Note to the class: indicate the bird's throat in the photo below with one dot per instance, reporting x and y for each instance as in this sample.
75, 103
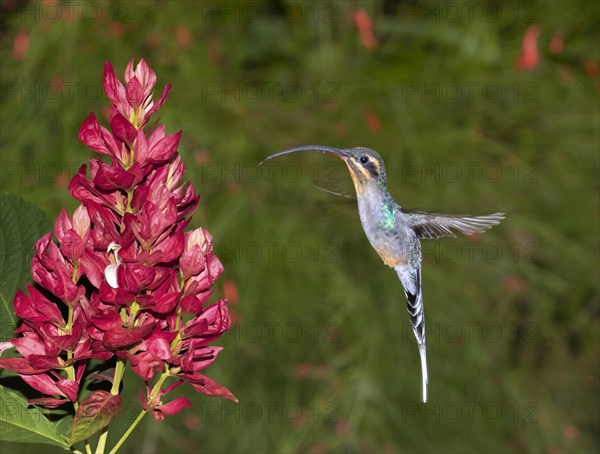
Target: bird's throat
376, 207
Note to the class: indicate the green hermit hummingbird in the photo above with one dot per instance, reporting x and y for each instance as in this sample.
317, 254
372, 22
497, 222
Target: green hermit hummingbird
395, 234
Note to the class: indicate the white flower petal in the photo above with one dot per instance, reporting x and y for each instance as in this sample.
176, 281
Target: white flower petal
110, 273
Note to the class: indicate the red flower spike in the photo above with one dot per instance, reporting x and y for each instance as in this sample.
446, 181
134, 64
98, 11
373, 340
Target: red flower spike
123, 268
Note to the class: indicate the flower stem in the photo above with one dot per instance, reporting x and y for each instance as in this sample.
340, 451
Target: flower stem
71, 369
126, 434
119, 371
69, 330
153, 394
102, 441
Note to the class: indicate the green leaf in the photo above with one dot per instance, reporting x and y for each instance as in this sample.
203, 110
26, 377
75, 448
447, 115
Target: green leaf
26, 425
21, 225
94, 414
64, 426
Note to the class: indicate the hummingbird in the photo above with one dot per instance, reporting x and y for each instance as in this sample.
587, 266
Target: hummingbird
394, 233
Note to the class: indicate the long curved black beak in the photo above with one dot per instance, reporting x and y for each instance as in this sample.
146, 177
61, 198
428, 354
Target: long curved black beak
336, 151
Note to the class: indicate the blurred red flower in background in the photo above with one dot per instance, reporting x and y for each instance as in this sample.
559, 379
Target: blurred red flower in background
529, 57
365, 29
557, 44
21, 45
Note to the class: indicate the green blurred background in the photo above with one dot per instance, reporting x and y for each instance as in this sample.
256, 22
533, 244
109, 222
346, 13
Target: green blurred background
322, 357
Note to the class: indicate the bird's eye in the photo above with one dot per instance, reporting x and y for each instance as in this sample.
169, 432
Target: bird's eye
364, 159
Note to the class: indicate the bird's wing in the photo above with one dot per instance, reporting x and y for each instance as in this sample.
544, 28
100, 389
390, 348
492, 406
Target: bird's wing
431, 226
335, 191
411, 281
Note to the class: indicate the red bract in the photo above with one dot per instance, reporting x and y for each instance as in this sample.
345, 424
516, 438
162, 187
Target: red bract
133, 283
155, 406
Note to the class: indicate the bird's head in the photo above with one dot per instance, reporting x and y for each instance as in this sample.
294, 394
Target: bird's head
365, 165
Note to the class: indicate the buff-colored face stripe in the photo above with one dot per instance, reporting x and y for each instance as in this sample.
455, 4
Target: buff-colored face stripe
360, 173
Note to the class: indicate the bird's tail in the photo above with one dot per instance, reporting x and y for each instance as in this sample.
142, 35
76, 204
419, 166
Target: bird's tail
423, 354
411, 281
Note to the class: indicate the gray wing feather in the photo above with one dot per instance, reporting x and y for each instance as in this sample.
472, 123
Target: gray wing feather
431, 226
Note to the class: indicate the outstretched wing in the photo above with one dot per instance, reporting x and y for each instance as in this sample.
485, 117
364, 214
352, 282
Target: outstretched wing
431, 226
411, 281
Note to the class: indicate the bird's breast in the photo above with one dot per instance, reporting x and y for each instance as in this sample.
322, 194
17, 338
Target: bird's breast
395, 244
